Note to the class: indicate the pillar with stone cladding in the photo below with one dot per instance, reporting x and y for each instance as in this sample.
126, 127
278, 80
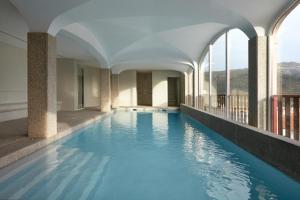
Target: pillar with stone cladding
105, 90
196, 87
42, 102
115, 90
258, 82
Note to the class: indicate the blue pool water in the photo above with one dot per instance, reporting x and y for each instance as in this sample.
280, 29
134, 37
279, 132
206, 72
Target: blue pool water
135, 155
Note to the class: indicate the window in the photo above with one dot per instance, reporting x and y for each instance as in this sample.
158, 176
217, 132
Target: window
224, 89
218, 77
238, 68
204, 77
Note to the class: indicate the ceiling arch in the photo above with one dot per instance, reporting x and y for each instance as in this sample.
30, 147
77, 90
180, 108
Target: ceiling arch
149, 32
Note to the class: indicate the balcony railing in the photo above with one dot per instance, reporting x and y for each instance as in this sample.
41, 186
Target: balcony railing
285, 111
236, 109
285, 115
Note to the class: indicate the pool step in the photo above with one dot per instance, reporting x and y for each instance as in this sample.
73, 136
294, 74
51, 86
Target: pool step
67, 180
33, 159
94, 179
18, 194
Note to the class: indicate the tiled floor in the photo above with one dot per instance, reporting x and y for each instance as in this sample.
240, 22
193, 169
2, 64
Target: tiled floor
13, 134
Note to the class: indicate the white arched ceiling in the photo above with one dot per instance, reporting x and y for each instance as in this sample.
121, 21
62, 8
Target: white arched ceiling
145, 33
181, 67
73, 47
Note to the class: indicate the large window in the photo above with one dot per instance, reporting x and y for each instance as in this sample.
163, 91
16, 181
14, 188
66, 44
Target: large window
204, 86
218, 77
286, 83
238, 68
224, 77
288, 59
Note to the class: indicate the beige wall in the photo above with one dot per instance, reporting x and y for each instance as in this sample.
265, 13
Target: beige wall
160, 87
127, 88
128, 91
67, 84
91, 86
13, 82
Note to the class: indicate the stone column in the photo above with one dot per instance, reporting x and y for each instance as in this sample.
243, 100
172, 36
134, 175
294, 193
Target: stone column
258, 82
196, 87
192, 88
115, 90
186, 88
42, 103
105, 90
189, 87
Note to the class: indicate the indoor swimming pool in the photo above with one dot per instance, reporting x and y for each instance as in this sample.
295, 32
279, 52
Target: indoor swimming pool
145, 155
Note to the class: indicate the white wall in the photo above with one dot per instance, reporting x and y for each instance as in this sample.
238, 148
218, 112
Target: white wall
160, 87
13, 82
127, 88
12, 25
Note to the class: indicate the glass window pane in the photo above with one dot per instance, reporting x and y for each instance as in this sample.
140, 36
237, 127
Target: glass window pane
286, 83
218, 82
205, 84
288, 55
238, 62
238, 65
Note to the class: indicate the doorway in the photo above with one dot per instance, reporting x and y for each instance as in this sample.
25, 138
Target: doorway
144, 88
173, 91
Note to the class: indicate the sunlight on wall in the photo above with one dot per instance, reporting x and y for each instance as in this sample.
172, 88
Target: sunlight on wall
160, 87
127, 88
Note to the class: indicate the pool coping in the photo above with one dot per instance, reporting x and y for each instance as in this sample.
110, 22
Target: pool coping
280, 152
41, 143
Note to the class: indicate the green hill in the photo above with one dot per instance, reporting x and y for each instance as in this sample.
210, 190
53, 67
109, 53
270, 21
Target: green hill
288, 79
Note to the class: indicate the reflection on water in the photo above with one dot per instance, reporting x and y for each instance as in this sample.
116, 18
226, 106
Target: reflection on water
125, 120
160, 127
224, 177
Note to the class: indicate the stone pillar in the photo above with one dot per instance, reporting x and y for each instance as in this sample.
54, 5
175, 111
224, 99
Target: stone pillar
196, 87
258, 82
105, 90
186, 88
192, 88
115, 90
189, 87
42, 103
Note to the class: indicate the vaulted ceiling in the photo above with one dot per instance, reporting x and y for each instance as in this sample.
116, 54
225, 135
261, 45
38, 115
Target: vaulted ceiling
146, 34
